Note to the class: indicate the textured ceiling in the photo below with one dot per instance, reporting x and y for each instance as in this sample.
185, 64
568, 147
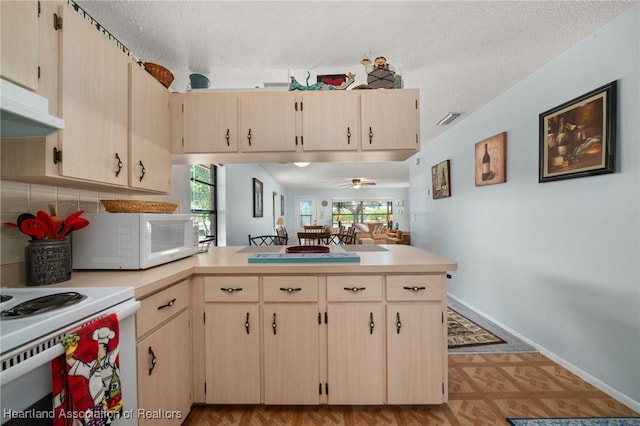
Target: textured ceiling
460, 54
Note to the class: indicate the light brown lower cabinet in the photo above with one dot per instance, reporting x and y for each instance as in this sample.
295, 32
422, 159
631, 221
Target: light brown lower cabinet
163, 352
164, 384
368, 339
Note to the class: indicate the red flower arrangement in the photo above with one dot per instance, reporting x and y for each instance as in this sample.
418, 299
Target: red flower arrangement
42, 226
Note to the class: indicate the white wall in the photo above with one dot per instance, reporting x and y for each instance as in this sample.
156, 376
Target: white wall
557, 262
239, 202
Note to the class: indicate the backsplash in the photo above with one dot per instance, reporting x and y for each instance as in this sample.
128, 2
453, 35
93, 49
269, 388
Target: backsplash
17, 198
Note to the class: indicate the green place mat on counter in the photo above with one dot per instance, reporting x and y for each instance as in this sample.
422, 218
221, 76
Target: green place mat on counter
303, 257
363, 247
261, 249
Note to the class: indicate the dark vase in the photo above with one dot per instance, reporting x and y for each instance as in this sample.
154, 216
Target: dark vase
47, 261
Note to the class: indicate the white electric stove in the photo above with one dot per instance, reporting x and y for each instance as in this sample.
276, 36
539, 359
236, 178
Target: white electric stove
29, 342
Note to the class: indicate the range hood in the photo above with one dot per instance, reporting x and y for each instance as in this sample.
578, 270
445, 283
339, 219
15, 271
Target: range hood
24, 113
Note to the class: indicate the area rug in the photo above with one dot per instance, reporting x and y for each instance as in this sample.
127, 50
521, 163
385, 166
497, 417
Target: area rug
578, 421
464, 332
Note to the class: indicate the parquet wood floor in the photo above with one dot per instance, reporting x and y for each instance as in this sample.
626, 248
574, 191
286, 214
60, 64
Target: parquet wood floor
484, 389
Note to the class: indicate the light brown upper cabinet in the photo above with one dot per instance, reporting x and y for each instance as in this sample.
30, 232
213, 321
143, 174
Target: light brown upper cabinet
149, 153
329, 121
95, 103
210, 122
19, 42
267, 121
390, 119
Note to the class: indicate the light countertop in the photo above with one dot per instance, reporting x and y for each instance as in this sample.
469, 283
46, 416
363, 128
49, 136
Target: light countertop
233, 260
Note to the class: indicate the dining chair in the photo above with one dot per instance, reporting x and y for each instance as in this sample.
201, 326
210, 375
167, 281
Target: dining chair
267, 240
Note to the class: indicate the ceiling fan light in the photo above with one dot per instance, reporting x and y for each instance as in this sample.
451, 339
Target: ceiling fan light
302, 164
448, 118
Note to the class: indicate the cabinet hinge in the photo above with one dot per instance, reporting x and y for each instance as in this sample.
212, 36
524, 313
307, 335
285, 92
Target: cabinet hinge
57, 22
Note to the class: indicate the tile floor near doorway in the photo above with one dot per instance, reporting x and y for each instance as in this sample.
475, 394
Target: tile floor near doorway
486, 386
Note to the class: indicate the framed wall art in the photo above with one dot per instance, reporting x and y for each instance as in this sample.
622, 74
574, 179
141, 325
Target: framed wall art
281, 205
257, 198
578, 138
441, 180
491, 160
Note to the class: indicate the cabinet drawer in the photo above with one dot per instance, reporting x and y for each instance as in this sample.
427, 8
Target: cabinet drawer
231, 289
414, 287
366, 288
161, 306
290, 288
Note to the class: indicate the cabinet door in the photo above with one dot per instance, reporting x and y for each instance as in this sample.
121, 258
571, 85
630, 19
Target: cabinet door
355, 353
267, 121
291, 353
150, 158
94, 103
165, 385
210, 122
330, 121
19, 42
415, 353
232, 342
390, 119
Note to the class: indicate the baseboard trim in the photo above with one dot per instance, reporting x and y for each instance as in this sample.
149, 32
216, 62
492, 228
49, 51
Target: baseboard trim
613, 393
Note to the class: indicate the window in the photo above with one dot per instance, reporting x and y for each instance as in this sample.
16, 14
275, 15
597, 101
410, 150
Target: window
361, 211
204, 199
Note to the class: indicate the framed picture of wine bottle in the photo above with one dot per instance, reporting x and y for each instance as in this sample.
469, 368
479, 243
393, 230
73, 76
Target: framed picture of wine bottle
441, 180
491, 160
578, 138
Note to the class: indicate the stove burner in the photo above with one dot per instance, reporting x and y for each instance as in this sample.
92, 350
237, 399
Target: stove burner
5, 298
42, 304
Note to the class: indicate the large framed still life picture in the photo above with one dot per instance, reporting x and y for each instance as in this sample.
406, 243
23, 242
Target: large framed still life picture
578, 138
440, 180
491, 160
257, 198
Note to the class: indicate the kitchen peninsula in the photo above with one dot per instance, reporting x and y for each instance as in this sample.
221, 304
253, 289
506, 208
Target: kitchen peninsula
367, 332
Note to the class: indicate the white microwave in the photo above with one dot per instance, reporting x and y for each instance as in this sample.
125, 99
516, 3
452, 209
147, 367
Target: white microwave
133, 240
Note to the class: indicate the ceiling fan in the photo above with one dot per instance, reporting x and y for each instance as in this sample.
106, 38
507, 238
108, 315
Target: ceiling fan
356, 183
